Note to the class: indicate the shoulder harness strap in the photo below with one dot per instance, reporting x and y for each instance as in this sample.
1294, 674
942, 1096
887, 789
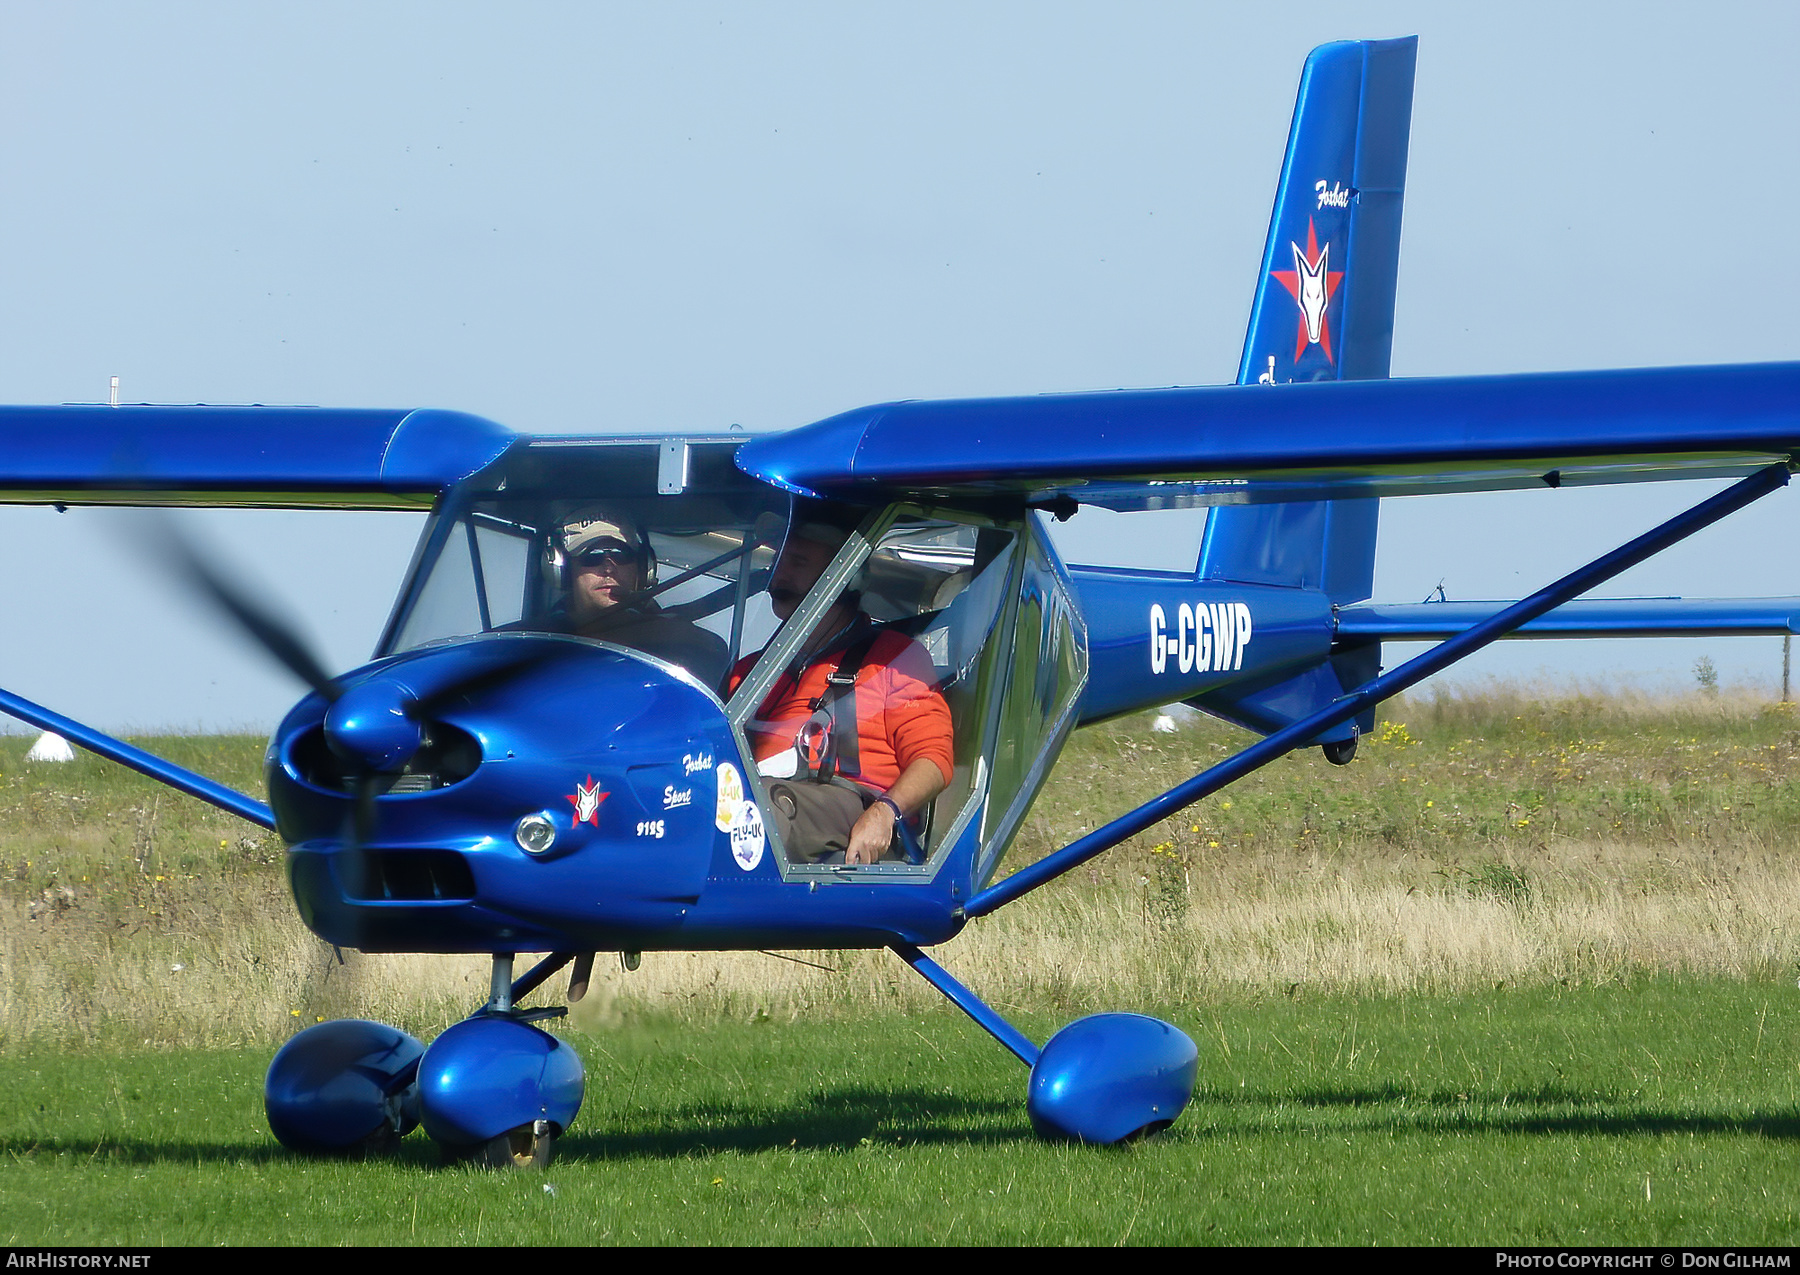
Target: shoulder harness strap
834, 713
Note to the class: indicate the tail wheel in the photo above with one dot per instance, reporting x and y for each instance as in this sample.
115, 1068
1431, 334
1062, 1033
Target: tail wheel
530, 1146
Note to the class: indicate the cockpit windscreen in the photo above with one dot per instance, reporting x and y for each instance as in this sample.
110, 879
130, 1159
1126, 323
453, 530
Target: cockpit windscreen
661, 547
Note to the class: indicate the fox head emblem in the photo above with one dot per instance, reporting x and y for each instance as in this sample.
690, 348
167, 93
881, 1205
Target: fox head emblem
1313, 294
586, 799
1312, 283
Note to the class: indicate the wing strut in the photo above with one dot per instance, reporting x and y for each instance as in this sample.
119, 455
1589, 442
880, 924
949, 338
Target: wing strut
191, 782
969, 1003
1435, 660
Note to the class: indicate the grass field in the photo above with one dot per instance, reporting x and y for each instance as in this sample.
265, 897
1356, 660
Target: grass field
1524, 973
1659, 1113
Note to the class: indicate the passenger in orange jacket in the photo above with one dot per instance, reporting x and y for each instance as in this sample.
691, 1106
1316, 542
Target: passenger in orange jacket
902, 741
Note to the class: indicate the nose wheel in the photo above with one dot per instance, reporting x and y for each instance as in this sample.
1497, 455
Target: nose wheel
495, 1090
530, 1146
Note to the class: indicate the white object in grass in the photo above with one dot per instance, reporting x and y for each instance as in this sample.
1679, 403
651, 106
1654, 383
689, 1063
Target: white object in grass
50, 747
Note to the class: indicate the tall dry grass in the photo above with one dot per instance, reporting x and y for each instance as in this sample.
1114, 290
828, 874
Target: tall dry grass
1502, 836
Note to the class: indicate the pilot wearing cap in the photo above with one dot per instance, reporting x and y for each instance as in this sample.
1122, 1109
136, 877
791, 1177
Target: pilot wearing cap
609, 563
855, 736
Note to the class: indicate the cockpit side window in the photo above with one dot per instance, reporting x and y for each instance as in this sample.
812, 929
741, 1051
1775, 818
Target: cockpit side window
445, 604
886, 676
1038, 696
502, 553
958, 576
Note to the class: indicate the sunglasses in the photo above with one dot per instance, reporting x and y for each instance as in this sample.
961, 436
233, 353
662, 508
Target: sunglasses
614, 558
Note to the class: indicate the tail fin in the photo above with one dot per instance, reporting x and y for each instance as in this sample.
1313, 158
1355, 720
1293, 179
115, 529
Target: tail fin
1324, 307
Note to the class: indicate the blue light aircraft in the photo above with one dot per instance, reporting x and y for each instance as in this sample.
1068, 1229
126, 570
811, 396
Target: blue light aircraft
495, 783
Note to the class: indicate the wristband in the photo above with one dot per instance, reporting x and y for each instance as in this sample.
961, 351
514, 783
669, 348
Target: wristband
889, 802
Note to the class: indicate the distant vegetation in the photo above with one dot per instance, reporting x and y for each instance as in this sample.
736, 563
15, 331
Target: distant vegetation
1505, 837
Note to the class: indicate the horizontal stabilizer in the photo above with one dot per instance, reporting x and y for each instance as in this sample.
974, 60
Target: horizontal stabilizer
1588, 618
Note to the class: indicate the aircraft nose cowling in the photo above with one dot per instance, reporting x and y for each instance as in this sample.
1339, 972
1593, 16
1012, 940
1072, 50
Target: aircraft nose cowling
369, 727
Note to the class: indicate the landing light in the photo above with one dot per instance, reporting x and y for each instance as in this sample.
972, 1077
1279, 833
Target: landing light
535, 834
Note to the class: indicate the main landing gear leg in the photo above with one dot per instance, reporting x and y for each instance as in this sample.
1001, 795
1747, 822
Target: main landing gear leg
1105, 1078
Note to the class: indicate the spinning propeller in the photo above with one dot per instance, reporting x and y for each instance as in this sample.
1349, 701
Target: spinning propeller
374, 727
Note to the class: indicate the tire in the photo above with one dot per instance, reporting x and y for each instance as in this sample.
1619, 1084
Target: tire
520, 1148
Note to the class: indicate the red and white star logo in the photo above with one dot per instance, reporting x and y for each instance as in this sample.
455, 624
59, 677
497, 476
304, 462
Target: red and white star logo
1312, 286
586, 799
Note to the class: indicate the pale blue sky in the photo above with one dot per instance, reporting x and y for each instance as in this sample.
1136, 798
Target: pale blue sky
581, 217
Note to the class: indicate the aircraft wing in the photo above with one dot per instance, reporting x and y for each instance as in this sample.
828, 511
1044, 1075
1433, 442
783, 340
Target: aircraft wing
1326, 440
260, 457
